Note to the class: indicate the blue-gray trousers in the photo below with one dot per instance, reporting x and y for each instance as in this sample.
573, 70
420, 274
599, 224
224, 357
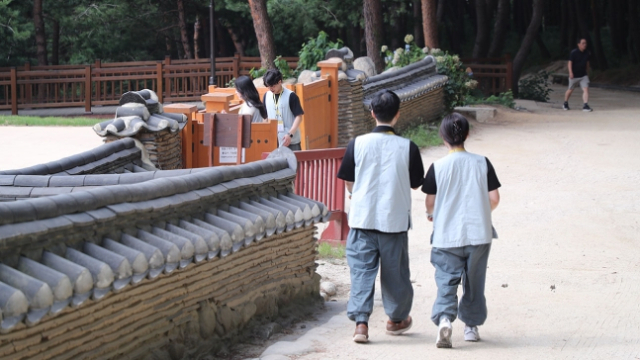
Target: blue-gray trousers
467, 264
366, 251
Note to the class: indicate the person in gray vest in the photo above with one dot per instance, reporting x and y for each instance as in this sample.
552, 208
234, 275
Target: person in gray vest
380, 169
283, 105
462, 191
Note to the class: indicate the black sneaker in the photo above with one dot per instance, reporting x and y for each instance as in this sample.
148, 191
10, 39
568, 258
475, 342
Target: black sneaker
565, 106
586, 108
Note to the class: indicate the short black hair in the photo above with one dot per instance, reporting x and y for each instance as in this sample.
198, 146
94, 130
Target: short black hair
272, 77
454, 129
580, 39
385, 105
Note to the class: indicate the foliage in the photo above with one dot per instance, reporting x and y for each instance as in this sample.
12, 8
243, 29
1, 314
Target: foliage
280, 63
403, 56
326, 250
504, 99
231, 83
314, 50
424, 135
459, 85
18, 120
535, 87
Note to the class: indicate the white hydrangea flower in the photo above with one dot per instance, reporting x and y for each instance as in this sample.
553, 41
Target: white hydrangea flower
456, 58
425, 50
439, 59
408, 39
399, 51
435, 51
384, 48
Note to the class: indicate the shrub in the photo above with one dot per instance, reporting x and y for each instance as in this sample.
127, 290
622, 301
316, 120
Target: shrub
535, 87
280, 63
314, 51
402, 56
504, 99
459, 85
424, 135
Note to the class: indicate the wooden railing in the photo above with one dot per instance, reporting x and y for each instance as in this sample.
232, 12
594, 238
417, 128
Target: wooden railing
100, 83
494, 75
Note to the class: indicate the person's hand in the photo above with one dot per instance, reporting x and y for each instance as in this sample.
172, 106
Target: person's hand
570, 76
430, 217
286, 140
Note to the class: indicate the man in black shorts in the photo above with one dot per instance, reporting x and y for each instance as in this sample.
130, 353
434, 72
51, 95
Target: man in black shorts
578, 68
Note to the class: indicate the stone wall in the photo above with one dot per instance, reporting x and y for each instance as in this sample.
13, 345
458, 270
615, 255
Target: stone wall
176, 261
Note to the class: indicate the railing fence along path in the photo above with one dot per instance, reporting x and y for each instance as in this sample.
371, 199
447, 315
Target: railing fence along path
30, 87
494, 75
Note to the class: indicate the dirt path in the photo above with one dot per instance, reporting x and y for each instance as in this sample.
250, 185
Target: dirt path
564, 277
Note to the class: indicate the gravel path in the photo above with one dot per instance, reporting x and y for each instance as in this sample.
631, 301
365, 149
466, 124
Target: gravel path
564, 277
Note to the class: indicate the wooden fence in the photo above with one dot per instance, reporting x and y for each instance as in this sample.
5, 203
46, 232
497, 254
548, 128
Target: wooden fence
494, 75
30, 87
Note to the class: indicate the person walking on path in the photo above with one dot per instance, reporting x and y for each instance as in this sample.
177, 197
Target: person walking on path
284, 106
462, 191
578, 74
380, 169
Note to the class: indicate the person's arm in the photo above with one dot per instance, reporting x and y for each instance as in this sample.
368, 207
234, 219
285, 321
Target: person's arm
416, 168
286, 140
430, 203
349, 185
347, 170
494, 199
570, 71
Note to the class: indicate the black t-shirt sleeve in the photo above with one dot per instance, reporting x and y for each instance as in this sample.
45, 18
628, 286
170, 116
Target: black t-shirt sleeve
416, 169
294, 105
429, 183
492, 178
347, 171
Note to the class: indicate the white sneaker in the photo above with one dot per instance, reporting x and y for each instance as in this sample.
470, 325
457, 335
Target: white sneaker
471, 333
444, 333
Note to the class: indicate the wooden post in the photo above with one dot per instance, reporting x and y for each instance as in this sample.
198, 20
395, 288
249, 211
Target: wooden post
29, 87
217, 101
14, 91
209, 137
236, 65
330, 69
159, 73
188, 148
98, 65
304, 138
239, 141
87, 89
509, 85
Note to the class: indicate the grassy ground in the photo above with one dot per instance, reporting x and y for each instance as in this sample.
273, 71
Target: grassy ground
17, 120
328, 251
424, 135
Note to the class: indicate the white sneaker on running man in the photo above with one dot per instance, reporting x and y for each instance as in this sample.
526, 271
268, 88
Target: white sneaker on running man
471, 333
444, 333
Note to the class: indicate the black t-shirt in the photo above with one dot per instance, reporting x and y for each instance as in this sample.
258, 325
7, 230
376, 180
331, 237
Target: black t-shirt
294, 103
429, 186
347, 171
579, 61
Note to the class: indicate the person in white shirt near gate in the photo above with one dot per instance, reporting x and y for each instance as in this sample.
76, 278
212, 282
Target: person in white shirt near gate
283, 105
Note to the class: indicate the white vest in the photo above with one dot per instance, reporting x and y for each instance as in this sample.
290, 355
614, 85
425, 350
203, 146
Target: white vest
381, 198
462, 213
285, 113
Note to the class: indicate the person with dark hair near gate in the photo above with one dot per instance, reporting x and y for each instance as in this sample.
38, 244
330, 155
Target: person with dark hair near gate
283, 105
462, 191
252, 104
380, 169
578, 73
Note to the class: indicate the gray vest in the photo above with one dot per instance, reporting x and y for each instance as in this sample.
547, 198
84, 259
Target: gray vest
381, 198
462, 213
285, 113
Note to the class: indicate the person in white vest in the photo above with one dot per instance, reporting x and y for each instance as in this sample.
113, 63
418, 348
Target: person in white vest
283, 105
462, 191
380, 169
247, 91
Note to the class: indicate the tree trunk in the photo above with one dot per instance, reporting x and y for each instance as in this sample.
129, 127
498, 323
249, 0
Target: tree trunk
237, 43
196, 37
55, 42
417, 23
615, 20
564, 26
262, 26
440, 11
41, 40
500, 29
527, 42
602, 59
634, 31
355, 41
481, 46
183, 31
580, 10
430, 23
372, 28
